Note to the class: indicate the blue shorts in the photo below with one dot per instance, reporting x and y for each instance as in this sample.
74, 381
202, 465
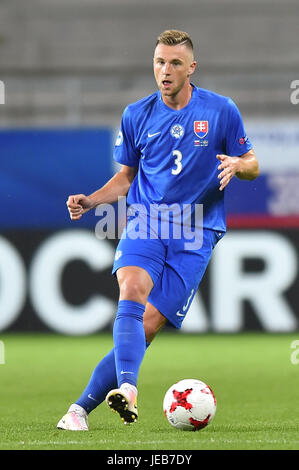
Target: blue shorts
175, 271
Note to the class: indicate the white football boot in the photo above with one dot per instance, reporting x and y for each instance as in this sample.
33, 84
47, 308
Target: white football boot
76, 419
123, 401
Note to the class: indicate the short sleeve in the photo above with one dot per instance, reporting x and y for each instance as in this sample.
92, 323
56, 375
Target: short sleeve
125, 151
236, 141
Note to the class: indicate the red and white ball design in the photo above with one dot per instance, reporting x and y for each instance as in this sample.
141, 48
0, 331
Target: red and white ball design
189, 404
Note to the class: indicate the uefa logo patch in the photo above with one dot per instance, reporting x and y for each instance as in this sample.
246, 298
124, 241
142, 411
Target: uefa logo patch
243, 140
119, 139
177, 131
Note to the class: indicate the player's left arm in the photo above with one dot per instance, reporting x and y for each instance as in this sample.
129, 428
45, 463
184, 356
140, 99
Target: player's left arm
245, 167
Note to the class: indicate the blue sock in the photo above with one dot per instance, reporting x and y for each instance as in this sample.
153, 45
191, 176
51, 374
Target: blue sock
102, 380
129, 341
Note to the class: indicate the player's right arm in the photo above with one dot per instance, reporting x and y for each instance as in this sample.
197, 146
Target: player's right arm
117, 186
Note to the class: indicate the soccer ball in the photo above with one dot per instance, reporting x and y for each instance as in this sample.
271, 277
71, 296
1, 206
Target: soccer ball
189, 405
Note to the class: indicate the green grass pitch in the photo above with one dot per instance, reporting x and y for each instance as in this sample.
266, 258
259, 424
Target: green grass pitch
254, 380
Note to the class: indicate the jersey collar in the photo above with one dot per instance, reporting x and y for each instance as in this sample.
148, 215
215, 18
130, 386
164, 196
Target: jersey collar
163, 105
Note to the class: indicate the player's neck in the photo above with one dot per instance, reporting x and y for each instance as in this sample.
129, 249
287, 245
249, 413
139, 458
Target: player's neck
181, 99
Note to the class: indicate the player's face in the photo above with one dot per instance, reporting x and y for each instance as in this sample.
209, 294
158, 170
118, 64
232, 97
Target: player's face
173, 66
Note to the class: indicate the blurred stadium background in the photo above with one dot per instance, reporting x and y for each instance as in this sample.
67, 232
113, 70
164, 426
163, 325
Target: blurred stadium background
68, 68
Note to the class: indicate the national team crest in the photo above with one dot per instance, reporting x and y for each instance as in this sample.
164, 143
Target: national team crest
201, 128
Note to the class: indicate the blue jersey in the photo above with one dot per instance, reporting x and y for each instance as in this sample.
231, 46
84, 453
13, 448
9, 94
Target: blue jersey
175, 151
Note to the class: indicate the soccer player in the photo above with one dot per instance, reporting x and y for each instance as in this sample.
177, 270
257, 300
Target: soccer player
178, 148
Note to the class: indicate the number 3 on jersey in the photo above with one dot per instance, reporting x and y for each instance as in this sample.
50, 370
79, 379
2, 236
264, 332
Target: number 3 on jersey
177, 162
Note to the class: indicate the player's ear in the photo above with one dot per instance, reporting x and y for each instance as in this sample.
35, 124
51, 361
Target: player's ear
192, 67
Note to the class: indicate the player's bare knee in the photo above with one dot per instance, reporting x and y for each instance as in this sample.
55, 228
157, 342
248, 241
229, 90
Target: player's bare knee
131, 289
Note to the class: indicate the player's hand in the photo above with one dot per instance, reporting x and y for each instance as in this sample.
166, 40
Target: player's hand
77, 205
229, 167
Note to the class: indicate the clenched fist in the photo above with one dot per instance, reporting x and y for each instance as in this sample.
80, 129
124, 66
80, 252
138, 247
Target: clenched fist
77, 205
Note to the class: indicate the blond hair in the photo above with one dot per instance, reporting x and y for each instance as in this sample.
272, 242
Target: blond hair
173, 37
